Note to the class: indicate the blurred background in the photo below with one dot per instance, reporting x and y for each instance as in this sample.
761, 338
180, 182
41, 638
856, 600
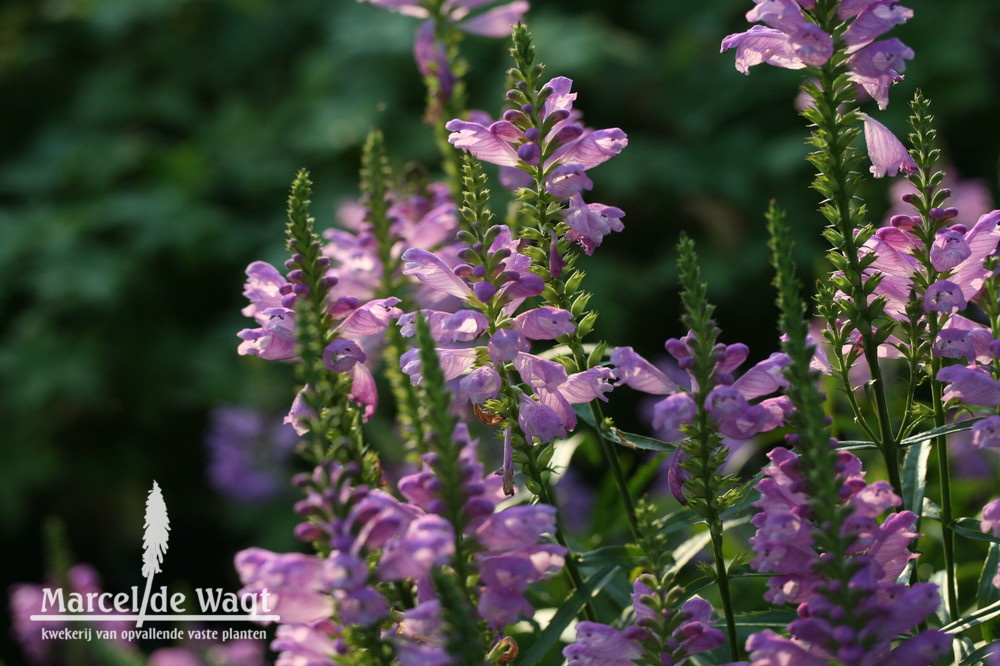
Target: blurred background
146, 149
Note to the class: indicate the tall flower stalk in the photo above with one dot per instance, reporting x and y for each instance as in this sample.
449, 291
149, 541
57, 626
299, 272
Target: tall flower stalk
709, 493
554, 154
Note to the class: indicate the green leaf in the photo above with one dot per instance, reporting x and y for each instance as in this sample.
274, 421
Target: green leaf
627, 439
973, 619
915, 476
943, 430
931, 510
855, 445
566, 613
988, 593
622, 556
642, 476
769, 619
969, 528
687, 550
678, 520
860, 444
977, 657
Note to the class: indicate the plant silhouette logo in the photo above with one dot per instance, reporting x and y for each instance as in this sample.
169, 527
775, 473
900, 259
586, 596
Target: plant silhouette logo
155, 605
154, 541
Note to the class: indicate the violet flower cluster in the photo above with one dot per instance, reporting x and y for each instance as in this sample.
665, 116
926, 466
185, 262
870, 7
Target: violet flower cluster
883, 608
666, 637
791, 39
738, 405
373, 539
475, 359
431, 53
560, 146
355, 275
248, 456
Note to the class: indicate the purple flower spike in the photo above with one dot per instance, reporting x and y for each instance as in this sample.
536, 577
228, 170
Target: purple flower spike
767, 648
275, 340
429, 541
538, 420
556, 262
874, 21
955, 343
431, 57
879, 65
306, 643
540, 373
505, 344
341, 355
986, 433
991, 518
600, 645
463, 326
567, 180
582, 387
944, 296
638, 373
923, 649
525, 286
263, 289
484, 291
759, 45
970, 384
674, 411
886, 152
299, 413
725, 402
480, 385
949, 249
434, 273
545, 323
490, 144
811, 44
590, 223
294, 581
496, 22
516, 527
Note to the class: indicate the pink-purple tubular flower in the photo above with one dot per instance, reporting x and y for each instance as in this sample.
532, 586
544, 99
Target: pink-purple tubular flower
791, 40
784, 546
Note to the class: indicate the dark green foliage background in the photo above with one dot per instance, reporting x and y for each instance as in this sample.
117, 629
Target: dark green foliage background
146, 149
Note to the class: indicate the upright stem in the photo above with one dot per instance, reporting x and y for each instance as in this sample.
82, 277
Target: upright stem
572, 567
944, 472
534, 472
607, 448
722, 572
838, 170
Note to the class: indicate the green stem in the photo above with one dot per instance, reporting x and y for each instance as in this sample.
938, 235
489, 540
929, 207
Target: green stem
888, 443
840, 173
532, 469
722, 572
572, 567
607, 448
944, 472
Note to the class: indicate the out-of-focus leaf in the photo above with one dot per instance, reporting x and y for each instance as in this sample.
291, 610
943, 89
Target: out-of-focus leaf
915, 476
969, 528
973, 619
566, 613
